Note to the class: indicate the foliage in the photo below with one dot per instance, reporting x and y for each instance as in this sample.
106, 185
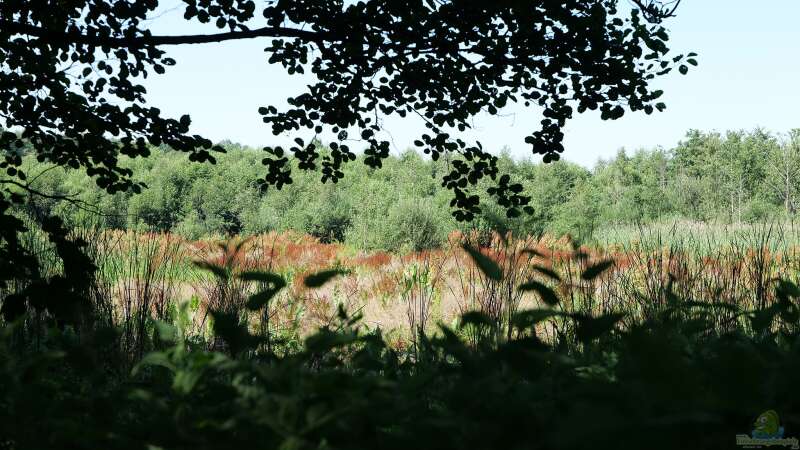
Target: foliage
419, 56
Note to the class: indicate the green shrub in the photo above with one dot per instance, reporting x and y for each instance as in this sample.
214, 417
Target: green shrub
759, 210
329, 216
410, 224
415, 224
261, 220
192, 227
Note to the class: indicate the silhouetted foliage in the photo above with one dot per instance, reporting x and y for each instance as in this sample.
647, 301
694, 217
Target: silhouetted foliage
71, 71
665, 381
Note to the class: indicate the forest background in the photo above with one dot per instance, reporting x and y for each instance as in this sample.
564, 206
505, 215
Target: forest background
730, 178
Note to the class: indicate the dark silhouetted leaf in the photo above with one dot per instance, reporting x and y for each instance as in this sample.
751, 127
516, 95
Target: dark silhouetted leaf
218, 271
326, 340
262, 298
786, 289
761, 320
589, 328
263, 277
320, 278
476, 318
13, 307
596, 270
532, 251
550, 273
484, 263
548, 295
527, 319
228, 327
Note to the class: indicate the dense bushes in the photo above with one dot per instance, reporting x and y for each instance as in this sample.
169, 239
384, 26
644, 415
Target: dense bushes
410, 224
417, 223
738, 177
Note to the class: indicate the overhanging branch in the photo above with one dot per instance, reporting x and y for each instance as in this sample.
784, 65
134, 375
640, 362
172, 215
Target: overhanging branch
145, 41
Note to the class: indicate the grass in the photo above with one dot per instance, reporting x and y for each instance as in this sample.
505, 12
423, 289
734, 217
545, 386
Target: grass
705, 236
147, 275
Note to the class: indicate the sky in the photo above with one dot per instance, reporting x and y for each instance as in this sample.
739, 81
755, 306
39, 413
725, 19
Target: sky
748, 76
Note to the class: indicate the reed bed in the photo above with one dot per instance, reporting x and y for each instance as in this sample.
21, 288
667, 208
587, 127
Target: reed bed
144, 277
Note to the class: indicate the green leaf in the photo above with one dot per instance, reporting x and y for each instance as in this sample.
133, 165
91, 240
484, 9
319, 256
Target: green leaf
596, 270
484, 263
320, 278
154, 359
165, 331
185, 380
548, 295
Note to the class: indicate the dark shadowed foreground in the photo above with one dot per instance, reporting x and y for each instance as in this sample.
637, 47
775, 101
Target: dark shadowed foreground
672, 380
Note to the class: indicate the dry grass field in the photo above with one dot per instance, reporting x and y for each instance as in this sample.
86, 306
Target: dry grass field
143, 276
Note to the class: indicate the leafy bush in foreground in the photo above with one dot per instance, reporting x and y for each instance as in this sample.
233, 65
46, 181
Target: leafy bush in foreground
671, 382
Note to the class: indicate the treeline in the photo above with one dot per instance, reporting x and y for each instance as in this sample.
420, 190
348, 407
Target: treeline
731, 177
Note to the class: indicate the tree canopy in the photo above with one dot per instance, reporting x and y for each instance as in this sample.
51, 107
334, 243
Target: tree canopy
72, 76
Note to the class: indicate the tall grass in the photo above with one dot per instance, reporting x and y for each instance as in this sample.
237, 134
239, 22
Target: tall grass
142, 277
419, 282
497, 299
145, 284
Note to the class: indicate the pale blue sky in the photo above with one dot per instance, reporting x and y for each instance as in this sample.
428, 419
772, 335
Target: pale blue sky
749, 76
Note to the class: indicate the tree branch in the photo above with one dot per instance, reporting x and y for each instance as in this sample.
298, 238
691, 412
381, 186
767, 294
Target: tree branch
655, 10
86, 206
144, 41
